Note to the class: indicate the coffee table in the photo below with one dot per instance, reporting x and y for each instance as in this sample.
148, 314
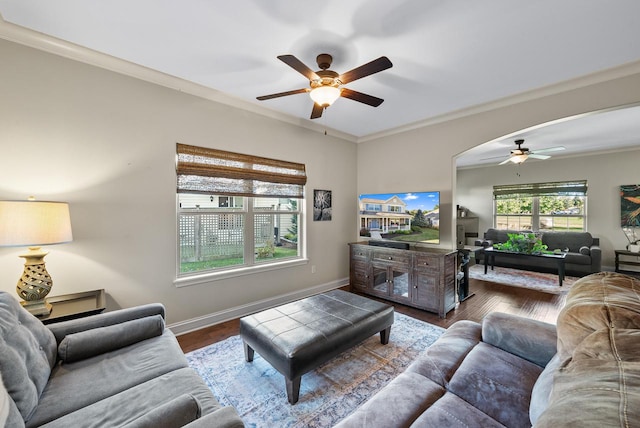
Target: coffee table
490, 255
300, 336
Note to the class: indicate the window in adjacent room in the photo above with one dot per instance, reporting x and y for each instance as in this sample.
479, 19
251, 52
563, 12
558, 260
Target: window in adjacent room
236, 211
557, 206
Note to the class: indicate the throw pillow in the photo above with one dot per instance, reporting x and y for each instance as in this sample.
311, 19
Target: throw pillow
585, 250
89, 343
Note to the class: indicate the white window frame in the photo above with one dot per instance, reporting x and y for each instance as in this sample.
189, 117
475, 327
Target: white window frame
535, 214
250, 265
208, 171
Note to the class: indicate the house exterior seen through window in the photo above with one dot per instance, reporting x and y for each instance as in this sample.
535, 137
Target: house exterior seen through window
214, 236
541, 206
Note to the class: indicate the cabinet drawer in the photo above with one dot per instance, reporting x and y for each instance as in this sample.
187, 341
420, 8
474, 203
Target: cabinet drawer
426, 263
391, 257
359, 253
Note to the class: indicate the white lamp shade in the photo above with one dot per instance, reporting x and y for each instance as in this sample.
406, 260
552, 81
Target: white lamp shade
324, 95
519, 158
34, 223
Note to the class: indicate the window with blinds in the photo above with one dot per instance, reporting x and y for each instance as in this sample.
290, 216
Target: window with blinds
236, 211
551, 206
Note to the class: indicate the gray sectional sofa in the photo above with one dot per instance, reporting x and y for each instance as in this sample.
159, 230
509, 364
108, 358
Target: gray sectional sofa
584, 255
117, 369
510, 371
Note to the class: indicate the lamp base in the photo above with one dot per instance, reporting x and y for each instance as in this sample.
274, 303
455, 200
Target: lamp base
37, 307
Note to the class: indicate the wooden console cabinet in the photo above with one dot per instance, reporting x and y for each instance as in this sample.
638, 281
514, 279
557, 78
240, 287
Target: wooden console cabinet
424, 278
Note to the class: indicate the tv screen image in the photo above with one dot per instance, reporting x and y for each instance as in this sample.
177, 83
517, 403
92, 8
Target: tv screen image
406, 216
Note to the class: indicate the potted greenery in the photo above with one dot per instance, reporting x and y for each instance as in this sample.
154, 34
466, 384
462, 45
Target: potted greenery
527, 243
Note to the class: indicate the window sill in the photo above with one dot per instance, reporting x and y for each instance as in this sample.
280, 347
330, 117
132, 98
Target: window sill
232, 273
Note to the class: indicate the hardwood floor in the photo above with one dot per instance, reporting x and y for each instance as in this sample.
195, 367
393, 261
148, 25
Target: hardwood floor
488, 297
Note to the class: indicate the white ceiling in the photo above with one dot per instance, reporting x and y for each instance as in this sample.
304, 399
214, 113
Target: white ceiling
448, 55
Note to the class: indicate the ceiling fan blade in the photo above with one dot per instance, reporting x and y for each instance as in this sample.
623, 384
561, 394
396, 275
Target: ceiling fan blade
299, 66
317, 111
537, 156
550, 149
504, 161
283, 94
367, 69
360, 97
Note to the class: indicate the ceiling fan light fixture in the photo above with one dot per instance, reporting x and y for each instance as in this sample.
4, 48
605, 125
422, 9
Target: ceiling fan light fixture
519, 158
324, 96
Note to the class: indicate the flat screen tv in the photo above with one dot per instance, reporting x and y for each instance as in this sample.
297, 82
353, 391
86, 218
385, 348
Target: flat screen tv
412, 217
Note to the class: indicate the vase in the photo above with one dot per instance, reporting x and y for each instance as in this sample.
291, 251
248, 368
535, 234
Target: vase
634, 248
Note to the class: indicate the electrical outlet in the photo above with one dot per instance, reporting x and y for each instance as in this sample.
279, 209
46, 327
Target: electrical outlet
313, 268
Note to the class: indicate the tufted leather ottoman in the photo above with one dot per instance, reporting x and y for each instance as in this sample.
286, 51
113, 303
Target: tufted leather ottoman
300, 336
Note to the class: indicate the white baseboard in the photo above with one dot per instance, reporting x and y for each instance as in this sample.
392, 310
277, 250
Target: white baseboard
193, 324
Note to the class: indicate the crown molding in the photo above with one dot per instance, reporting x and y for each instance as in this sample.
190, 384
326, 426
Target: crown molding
27, 37
41, 41
613, 73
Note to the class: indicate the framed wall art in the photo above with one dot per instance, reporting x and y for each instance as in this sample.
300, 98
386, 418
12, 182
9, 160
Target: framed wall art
322, 205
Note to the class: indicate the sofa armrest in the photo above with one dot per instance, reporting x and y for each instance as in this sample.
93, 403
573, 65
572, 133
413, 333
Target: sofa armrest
61, 329
533, 340
224, 417
596, 258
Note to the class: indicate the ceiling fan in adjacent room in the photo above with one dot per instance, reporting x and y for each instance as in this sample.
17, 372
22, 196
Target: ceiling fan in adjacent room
325, 86
521, 154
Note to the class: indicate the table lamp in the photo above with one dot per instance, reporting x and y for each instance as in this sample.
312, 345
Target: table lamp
34, 223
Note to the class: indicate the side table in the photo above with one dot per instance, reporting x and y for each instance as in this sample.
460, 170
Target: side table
627, 262
75, 305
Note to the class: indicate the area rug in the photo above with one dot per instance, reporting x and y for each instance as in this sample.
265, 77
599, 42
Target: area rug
327, 395
547, 282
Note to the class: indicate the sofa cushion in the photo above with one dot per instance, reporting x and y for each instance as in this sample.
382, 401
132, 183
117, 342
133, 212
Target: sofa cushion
85, 344
116, 410
452, 411
408, 395
600, 300
497, 383
27, 354
571, 240
441, 360
9, 413
73, 386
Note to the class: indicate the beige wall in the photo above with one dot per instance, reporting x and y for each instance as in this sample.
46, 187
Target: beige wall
604, 174
423, 158
106, 144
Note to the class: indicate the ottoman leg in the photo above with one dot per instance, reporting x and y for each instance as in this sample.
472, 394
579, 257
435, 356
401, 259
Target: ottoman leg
293, 389
248, 352
384, 335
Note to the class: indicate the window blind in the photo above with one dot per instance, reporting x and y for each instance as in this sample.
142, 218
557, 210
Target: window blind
210, 171
563, 188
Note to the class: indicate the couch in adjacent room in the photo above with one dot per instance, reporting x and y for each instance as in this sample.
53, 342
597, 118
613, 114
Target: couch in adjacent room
584, 255
510, 371
117, 369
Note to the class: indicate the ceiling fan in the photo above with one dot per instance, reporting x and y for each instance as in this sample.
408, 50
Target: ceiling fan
521, 154
325, 86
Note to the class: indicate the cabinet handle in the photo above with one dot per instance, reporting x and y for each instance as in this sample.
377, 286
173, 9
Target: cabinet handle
390, 258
